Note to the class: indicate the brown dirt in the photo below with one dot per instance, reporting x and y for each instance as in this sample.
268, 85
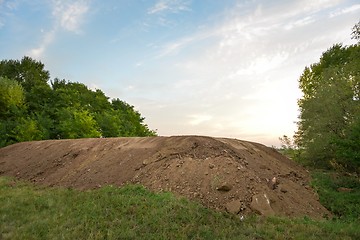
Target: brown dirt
224, 174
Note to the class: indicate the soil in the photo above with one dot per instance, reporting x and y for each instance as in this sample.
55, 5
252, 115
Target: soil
224, 174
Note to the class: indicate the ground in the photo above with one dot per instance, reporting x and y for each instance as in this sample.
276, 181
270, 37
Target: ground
231, 175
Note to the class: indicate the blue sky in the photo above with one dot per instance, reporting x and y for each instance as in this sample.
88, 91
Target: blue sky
222, 68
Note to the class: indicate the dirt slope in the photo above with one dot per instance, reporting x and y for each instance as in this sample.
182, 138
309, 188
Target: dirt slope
225, 174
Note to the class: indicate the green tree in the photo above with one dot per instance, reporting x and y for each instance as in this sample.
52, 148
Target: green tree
110, 123
33, 109
74, 94
26, 129
33, 78
330, 106
28, 72
77, 124
132, 124
11, 96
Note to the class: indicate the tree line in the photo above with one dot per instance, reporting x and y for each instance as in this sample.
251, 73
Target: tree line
33, 107
328, 132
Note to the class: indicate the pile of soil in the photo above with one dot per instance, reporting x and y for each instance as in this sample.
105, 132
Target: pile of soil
225, 174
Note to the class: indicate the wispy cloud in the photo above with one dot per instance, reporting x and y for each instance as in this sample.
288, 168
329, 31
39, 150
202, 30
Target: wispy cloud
6, 10
242, 72
300, 22
47, 39
247, 29
350, 9
70, 14
172, 6
174, 47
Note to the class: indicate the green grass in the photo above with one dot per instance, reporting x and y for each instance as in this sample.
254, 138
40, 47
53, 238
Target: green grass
344, 205
133, 212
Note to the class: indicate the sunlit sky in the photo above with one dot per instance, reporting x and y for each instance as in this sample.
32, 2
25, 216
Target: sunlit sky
223, 68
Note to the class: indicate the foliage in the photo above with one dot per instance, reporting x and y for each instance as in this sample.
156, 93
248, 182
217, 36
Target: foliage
344, 204
328, 126
11, 96
356, 32
130, 212
290, 150
26, 129
33, 108
28, 72
77, 124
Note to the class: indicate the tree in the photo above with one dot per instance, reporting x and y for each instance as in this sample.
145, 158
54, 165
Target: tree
356, 32
289, 148
11, 96
28, 72
12, 109
26, 129
78, 95
32, 109
77, 124
330, 106
132, 122
33, 77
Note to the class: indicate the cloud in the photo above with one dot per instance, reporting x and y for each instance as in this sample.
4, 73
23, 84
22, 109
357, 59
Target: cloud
300, 22
263, 64
241, 74
70, 14
6, 10
172, 6
350, 9
47, 39
174, 47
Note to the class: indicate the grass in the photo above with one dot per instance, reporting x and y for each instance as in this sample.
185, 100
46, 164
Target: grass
344, 205
133, 212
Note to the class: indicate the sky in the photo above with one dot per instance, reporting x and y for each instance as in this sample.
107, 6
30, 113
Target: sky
222, 68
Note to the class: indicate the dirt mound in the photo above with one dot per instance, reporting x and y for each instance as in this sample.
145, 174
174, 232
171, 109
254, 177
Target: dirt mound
224, 174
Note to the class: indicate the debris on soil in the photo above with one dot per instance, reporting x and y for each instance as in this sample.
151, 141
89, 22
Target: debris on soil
224, 174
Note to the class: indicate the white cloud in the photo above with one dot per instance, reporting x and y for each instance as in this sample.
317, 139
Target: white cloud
70, 14
350, 9
262, 64
241, 75
316, 5
174, 47
172, 6
299, 23
6, 9
47, 39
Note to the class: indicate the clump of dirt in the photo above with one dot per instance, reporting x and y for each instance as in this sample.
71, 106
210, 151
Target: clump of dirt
225, 174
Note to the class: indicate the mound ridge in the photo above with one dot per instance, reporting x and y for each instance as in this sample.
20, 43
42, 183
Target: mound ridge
225, 174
